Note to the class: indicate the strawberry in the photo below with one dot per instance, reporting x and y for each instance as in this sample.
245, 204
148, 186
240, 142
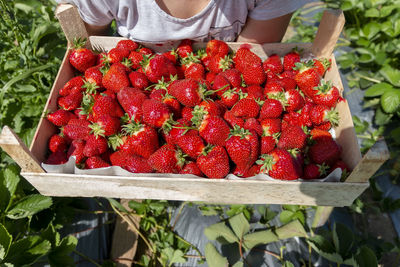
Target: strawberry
57, 143
217, 48
167, 159
127, 44
71, 101
189, 92
233, 76
96, 162
81, 58
255, 91
273, 63
279, 164
179, 130
292, 137
326, 94
232, 120
273, 89
60, 117
250, 65
214, 162
157, 67
76, 150
95, 145
146, 51
290, 59
136, 58
320, 114
156, 114
138, 80
192, 145
115, 78
172, 55
185, 48
131, 163
55, 158
243, 147
287, 83
117, 54
93, 75
271, 108
220, 64
106, 125
173, 104
141, 139
191, 168
195, 71
318, 134
187, 114
131, 100
246, 108
105, 104
220, 84
214, 130
322, 65
325, 151
252, 171
315, 171
270, 126
230, 97
74, 84
253, 124
307, 78
268, 143
294, 100
76, 129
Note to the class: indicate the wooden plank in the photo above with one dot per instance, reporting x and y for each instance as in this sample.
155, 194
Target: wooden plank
125, 239
18, 151
195, 189
328, 33
370, 163
71, 23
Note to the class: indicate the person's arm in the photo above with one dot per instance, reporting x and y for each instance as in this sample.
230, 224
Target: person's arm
264, 31
97, 30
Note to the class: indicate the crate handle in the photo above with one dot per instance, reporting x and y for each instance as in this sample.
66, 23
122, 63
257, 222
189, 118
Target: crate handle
71, 23
328, 33
18, 151
370, 163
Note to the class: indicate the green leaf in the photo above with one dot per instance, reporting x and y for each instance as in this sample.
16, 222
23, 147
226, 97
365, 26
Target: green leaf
378, 89
213, 258
24, 88
257, 238
371, 29
116, 204
238, 264
239, 225
177, 257
390, 101
9, 179
287, 264
220, 232
28, 250
324, 248
139, 207
52, 235
286, 216
5, 242
366, 55
366, 257
391, 74
29, 206
292, 229
382, 118
343, 239
372, 13
395, 134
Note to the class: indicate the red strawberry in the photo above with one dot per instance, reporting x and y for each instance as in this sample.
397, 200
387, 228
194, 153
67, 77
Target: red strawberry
185, 48
106, 125
189, 92
71, 101
219, 64
173, 105
307, 78
158, 67
326, 94
233, 76
246, 108
131, 163
95, 145
117, 54
273, 63
135, 58
273, 89
214, 130
217, 48
57, 143
294, 100
171, 55
96, 162
292, 137
230, 97
270, 126
314, 171
131, 100
268, 143
187, 114
167, 159
322, 65
220, 84
191, 168
255, 91
271, 108
253, 171
146, 51
279, 164
250, 65
94, 76
60, 117
138, 80
115, 78
253, 124
320, 114
105, 104
76, 149
233, 120
325, 151
55, 158
81, 58
76, 129
141, 139
127, 44
180, 129
74, 84
192, 145
156, 114
214, 162
318, 134
290, 59
243, 147
287, 83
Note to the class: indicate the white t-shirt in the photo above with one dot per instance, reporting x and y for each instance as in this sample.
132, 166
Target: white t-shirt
144, 21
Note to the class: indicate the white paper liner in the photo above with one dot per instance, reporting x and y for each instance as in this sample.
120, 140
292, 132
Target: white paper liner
70, 168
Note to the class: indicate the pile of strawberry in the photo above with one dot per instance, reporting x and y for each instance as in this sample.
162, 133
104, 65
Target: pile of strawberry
209, 112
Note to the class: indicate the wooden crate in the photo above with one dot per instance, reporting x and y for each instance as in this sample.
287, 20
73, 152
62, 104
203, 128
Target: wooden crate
176, 187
